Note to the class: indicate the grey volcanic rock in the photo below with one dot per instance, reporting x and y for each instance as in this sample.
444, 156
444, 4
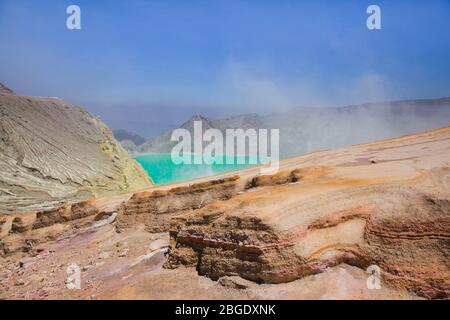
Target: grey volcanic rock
124, 135
305, 130
52, 152
5, 90
129, 146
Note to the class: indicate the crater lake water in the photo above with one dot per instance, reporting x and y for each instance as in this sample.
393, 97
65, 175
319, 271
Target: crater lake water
162, 170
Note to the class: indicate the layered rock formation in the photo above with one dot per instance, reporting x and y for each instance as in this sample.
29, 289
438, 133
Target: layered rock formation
155, 209
52, 152
385, 203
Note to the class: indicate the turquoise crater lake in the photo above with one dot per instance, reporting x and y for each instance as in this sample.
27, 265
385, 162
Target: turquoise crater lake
162, 170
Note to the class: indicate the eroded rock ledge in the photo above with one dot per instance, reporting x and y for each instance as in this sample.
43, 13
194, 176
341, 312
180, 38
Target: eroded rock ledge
412, 254
385, 204
156, 208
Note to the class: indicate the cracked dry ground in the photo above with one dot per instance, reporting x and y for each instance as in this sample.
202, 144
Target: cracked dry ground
308, 232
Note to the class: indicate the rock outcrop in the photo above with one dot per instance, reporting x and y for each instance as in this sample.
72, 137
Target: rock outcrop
155, 209
317, 225
385, 204
129, 146
52, 152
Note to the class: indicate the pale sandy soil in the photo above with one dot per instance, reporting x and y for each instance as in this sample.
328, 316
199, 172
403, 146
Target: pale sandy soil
108, 273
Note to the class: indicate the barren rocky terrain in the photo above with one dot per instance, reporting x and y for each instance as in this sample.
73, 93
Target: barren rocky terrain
52, 152
310, 231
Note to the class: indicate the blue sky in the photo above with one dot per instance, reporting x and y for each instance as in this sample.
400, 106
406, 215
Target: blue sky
153, 63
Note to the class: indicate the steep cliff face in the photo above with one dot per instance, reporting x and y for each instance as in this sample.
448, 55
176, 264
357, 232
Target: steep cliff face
52, 152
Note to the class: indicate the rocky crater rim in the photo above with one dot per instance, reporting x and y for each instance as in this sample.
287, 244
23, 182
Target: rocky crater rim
393, 212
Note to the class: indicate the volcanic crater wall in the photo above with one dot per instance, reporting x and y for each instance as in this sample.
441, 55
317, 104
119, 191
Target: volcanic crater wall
385, 204
52, 152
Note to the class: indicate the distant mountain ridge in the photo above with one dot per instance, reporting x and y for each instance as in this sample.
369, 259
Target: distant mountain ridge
308, 129
121, 135
5, 90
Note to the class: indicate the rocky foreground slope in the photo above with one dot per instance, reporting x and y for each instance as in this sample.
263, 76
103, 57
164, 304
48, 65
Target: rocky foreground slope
310, 231
52, 152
